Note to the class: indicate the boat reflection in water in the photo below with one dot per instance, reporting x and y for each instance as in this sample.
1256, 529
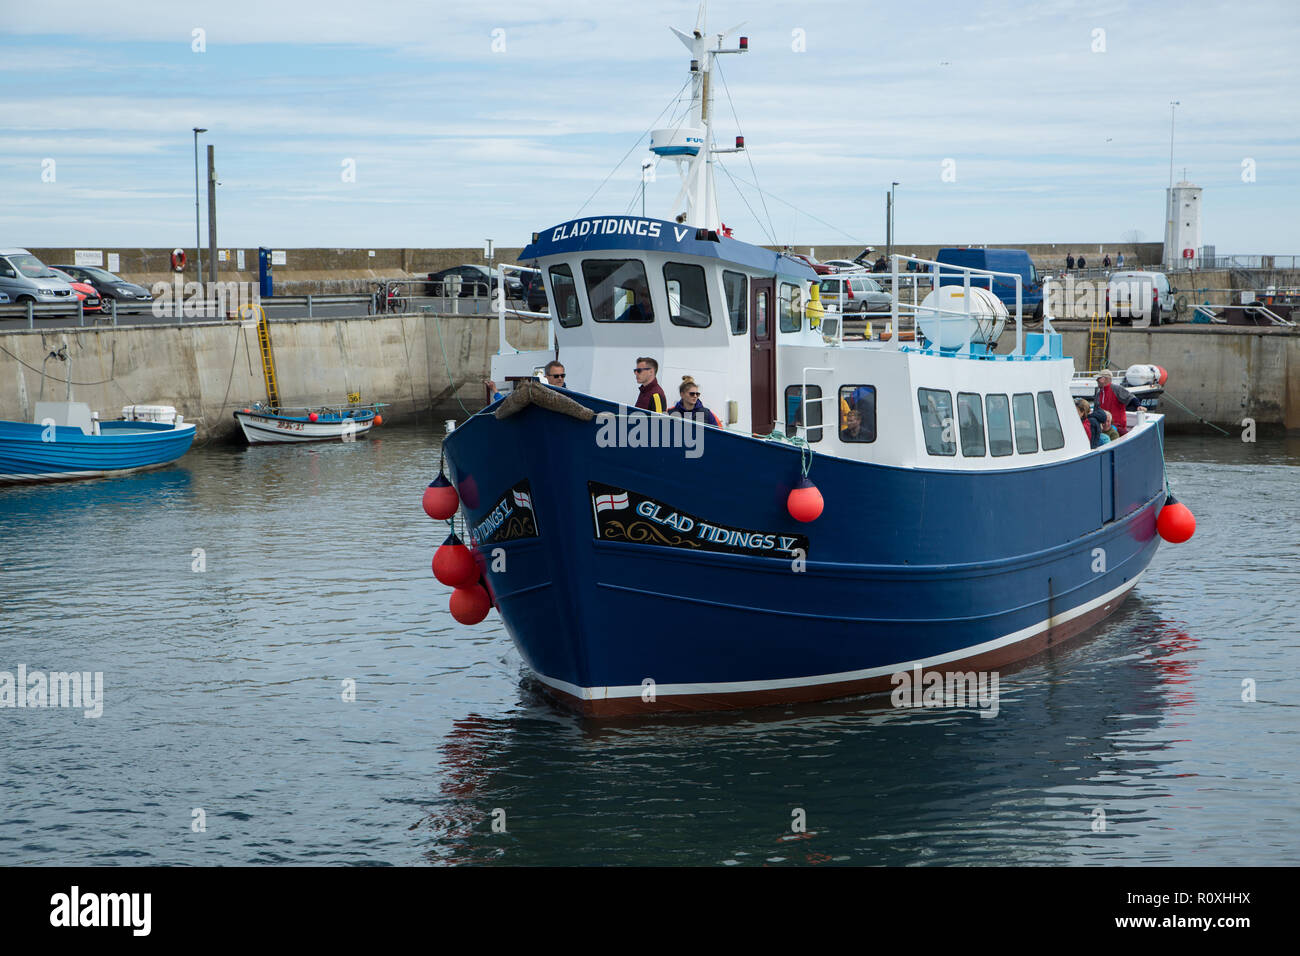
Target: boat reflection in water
1080, 728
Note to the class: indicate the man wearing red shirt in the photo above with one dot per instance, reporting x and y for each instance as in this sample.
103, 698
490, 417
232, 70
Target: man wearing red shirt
1112, 402
652, 396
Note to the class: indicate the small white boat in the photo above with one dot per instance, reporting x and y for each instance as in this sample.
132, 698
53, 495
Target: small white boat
1146, 383
267, 425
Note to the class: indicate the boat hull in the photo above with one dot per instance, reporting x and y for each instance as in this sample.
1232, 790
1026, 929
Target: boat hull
33, 452
944, 570
276, 429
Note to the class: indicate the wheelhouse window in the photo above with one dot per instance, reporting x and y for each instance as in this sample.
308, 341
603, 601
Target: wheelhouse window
858, 413
1022, 411
791, 306
565, 292
936, 420
1049, 423
617, 290
735, 288
998, 410
970, 424
803, 409
688, 295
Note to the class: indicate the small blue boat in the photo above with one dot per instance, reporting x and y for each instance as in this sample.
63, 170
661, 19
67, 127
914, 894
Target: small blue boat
67, 442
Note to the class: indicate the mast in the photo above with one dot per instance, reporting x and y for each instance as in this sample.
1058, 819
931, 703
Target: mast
690, 146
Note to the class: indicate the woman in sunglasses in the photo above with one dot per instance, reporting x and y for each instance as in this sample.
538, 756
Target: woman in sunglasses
690, 405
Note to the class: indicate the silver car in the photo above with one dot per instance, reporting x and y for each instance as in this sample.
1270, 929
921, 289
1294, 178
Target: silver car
860, 294
24, 278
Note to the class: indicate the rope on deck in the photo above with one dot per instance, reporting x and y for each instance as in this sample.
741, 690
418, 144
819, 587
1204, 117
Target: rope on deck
535, 393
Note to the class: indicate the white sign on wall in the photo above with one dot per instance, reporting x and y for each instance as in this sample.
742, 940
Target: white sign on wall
278, 257
87, 257
239, 259
222, 255
372, 253
114, 262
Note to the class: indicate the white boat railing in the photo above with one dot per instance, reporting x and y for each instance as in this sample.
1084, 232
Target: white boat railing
499, 300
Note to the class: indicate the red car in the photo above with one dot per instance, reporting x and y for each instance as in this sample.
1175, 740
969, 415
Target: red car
817, 267
89, 296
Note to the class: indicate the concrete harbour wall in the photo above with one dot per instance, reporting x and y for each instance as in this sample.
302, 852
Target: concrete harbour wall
208, 370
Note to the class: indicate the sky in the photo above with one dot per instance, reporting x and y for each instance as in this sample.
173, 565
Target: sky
430, 124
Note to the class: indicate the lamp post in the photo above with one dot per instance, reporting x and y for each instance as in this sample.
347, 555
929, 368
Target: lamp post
889, 224
198, 241
1172, 105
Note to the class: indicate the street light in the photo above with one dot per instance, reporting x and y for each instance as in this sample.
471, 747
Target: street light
198, 241
1172, 105
889, 224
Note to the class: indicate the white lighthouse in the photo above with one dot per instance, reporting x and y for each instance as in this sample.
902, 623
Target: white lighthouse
1182, 225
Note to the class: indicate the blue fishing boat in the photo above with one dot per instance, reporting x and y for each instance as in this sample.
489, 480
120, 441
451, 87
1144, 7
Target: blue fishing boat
67, 441
899, 501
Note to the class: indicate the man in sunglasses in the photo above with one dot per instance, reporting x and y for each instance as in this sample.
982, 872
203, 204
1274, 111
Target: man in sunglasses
652, 397
554, 374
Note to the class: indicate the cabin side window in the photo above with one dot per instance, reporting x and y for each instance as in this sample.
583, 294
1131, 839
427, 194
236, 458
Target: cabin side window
803, 409
858, 413
735, 288
1049, 423
1022, 411
688, 295
998, 411
970, 423
617, 290
565, 293
936, 420
791, 306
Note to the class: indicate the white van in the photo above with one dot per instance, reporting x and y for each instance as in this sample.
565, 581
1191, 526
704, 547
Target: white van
26, 279
1139, 295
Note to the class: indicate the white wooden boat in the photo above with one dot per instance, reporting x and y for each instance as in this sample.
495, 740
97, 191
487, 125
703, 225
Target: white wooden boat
266, 425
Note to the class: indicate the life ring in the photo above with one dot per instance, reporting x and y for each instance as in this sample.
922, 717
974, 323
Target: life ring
178, 260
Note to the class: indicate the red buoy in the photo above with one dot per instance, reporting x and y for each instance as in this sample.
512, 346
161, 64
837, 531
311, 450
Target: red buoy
804, 502
454, 564
470, 605
1176, 522
440, 499
312, 416
1164, 376
379, 419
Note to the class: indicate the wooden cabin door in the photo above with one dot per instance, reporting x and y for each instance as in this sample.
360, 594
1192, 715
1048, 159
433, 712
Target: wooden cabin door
762, 356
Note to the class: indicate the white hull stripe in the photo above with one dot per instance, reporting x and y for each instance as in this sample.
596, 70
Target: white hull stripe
312, 431
738, 687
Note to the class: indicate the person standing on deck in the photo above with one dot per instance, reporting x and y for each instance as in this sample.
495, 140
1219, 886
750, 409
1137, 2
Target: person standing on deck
690, 405
1109, 399
652, 397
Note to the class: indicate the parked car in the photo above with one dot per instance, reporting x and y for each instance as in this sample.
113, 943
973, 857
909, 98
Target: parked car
534, 291
846, 265
24, 278
1015, 261
1132, 295
108, 285
861, 294
89, 296
818, 267
475, 280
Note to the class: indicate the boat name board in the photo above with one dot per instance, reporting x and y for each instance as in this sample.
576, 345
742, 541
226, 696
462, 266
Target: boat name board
622, 515
511, 518
615, 226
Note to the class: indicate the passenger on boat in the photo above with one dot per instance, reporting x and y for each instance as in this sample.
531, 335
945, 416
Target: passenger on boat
859, 402
851, 426
651, 397
1113, 399
554, 373
690, 405
1093, 421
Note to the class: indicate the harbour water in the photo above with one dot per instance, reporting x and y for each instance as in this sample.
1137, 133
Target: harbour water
235, 602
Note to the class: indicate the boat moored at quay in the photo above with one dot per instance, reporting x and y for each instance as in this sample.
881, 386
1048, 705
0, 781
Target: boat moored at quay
868, 507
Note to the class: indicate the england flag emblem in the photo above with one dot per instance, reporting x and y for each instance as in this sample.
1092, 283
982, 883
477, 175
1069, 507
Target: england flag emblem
611, 502
523, 500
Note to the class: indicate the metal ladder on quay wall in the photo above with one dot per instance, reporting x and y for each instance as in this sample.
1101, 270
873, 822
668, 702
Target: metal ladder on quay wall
1099, 343
268, 361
